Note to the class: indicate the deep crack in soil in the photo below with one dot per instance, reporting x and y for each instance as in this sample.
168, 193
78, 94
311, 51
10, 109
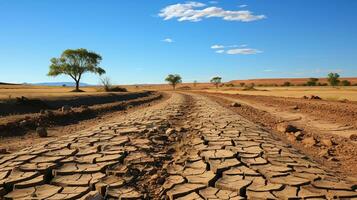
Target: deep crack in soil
187, 147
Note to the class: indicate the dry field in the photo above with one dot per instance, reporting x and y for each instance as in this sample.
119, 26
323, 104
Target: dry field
30, 91
325, 92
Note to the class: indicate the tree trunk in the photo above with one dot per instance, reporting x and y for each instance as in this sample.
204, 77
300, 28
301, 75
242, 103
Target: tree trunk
174, 86
77, 85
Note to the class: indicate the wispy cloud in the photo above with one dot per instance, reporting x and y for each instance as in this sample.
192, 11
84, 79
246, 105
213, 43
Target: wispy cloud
243, 6
217, 46
213, 2
267, 70
243, 51
168, 40
233, 49
196, 11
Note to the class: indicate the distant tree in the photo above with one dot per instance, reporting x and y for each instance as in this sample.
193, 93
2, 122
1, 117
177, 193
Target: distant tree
216, 81
333, 78
74, 63
64, 85
312, 82
287, 83
242, 84
173, 80
194, 83
345, 83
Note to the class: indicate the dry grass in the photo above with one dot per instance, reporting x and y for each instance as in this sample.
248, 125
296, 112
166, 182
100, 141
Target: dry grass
329, 93
44, 92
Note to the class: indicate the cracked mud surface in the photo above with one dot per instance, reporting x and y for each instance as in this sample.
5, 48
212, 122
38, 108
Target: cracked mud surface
187, 147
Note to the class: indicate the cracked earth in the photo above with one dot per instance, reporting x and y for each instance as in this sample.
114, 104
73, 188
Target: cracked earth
187, 147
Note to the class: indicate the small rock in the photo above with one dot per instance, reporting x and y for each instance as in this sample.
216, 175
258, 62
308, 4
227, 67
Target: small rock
309, 141
3, 150
315, 97
298, 135
235, 104
48, 113
169, 131
23, 123
333, 159
295, 107
160, 181
66, 108
353, 137
41, 131
327, 142
284, 128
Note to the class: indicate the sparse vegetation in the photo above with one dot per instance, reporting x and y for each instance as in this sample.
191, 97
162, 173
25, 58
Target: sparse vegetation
333, 79
345, 83
287, 83
249, 87
242, 84
194, 83
216, 81
173, 80
106, 83
312, 82
75, 63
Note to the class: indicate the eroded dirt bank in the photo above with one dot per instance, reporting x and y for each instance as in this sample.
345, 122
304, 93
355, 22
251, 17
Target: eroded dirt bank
188, 147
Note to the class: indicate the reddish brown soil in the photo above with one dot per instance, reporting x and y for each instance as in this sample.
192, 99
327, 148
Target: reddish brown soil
343, 153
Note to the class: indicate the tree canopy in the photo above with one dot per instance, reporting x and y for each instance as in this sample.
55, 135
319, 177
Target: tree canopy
332, 78
76, 62
173, 80
216, 80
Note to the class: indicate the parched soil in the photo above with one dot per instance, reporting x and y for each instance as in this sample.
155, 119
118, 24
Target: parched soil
187, 147
25, 105
340, 154
21, 124
73, 124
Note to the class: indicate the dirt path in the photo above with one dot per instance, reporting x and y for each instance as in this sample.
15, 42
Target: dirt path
187, 147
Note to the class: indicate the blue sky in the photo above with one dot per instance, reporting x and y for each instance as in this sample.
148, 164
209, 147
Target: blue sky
143, 41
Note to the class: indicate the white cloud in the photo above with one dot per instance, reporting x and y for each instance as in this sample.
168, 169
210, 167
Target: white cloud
220, 51
267, 70
217, 46
243, 6
168, 40
191, 11
243, 51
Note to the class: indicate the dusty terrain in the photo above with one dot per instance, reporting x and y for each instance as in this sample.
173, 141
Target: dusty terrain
187, 147
326, 92
281, 81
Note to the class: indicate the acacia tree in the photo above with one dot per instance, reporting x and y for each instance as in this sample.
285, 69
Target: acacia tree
74, 63
173, 80
332, 78
216, 81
